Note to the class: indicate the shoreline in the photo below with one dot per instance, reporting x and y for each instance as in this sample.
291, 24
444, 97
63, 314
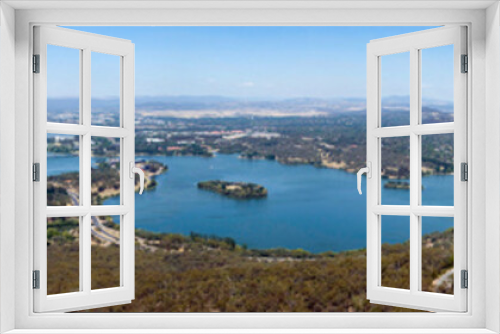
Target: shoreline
152, 176
331, 165
149, 182
236, 156
342, 165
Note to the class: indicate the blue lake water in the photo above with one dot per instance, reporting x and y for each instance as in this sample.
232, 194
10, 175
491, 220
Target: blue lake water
307, 207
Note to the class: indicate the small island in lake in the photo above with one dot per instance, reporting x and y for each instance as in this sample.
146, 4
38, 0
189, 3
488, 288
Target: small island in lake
239, 190
397, 185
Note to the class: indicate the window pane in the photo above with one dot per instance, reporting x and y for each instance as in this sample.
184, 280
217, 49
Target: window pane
105, 89
395, 89
437, 84
63, 166
437, 170
105, 171
395, 171
395, 251
105, 257
63, 255
437, 254
63, 84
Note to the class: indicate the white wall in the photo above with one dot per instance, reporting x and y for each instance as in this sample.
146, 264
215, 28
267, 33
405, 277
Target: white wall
493, 164
7, 153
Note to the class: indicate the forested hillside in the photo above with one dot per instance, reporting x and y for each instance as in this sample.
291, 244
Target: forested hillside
175, 273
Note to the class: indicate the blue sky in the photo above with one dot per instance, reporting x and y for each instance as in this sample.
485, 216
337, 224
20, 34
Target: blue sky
249, 62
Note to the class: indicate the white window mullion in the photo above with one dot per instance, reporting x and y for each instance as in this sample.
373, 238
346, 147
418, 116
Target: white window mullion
85, 249
421, 129
85, 172
434, 211
68, 129
85, 151
110, 132
417, 138
124, 166
40, 156
392, 210
373, 225
378, 265
460, 156
434, 129
127, 230
108, 210
81, 229
415, 258
392, 131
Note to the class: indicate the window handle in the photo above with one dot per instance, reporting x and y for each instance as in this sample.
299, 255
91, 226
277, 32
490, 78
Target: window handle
134, 170
368, 171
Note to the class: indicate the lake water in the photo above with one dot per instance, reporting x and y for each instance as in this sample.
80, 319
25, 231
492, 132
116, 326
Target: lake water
307, 207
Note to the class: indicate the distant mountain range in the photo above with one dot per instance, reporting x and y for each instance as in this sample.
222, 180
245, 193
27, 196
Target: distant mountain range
220, 106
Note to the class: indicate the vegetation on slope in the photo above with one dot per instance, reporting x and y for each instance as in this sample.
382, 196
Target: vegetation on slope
208, 274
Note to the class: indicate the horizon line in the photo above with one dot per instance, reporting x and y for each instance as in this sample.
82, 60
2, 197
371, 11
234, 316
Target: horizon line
263, 99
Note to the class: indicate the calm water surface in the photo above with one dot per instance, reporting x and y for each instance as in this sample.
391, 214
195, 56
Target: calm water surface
307, 207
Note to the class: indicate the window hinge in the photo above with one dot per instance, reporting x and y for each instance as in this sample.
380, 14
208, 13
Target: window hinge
36, 172
464, 277
464, 172
465, 64
36, 63
36, 279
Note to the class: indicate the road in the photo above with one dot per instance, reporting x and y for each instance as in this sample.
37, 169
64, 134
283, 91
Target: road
98, 230
443, 278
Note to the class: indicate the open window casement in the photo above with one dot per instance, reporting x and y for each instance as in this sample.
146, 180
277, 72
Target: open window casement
82, 212
379, 52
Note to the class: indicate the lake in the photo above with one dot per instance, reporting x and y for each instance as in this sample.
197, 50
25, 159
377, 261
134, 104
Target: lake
310, 208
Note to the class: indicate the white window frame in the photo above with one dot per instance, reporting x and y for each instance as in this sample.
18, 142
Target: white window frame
86, 44
484, 305
413, 44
